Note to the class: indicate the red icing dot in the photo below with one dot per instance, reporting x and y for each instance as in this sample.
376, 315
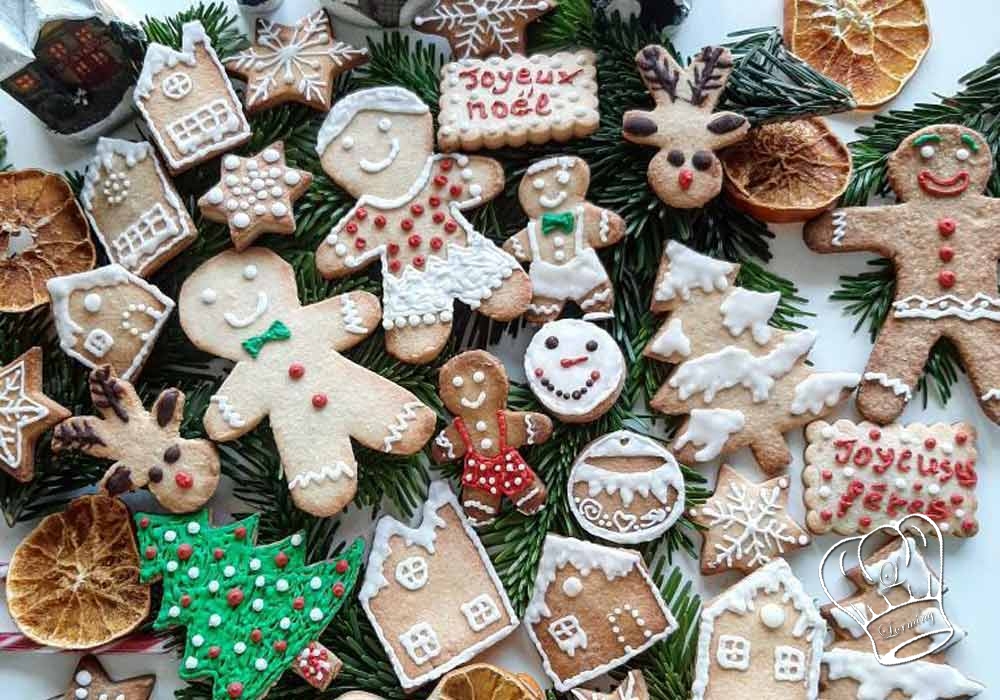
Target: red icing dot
380, 221
319, 400
256, 636
446, 165
150, 552
185, 600
946, 278
218, 553
338, 589
184, 552
918, 486
947, 226
455, 190
360, 243
351, 228
235, 689
438, 217
299, 603
394, 265
183, 480
436, 243
418, 261
968, 525
296, 370
414, 240
281, 560
451, 227
595, 375
342, 566
826, 515
874, 434
440, 181
957, 499
393, 248
280, 646
434, 201
827, 474
361, 214
946, 253
961, 438
416, 209
539, 372
144, 523
406, 225
240, 532
864, 521
930, 443
213, 652
234, 597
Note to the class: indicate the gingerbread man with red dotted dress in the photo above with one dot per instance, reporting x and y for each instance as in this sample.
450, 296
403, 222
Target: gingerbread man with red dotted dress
944, 241
244, 306
378, 144
486, 436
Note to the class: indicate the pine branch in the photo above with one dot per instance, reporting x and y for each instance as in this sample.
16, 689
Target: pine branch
392, 61
571, 23
220, 25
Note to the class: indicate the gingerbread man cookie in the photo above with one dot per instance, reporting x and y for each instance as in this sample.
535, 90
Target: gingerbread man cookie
147, 445
561, 240
378, 144
942, 239
485, 435
245, 307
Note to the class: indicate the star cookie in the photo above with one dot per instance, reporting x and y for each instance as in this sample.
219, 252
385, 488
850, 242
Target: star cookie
255, 195
481, 28
297, 63
25, 413
91, 682
747, 524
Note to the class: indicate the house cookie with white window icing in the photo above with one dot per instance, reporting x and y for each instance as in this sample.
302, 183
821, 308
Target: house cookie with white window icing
136, 213
941, 237
764, 633
378, 144
188, 103
593, 608
486, 436
244, 306
561, 240
432, 593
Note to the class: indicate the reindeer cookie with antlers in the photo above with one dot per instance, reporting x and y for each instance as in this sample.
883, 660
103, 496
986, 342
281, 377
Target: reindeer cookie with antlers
686, 172
182, 474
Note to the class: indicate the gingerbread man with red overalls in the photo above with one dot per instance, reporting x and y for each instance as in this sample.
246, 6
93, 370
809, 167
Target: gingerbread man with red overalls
485, 435
944, 241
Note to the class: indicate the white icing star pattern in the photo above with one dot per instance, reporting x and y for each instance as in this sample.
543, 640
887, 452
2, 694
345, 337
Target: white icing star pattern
17, 411
482, 27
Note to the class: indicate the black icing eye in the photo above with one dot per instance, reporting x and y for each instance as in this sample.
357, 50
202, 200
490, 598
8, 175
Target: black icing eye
702, 160
156, 475
675, 158
552, 342
171, 454
591, 345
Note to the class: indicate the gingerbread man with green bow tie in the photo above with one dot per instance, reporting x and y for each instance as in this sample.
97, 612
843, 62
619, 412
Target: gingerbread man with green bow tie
561, 240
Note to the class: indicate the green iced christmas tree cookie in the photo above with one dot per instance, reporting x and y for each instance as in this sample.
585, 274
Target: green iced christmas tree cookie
251, 612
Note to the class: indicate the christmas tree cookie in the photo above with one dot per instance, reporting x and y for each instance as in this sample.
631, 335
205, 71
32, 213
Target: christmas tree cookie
251, 612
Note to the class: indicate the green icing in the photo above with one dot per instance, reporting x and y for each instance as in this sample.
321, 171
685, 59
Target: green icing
276, 331
191, 598
925, 139
970, 142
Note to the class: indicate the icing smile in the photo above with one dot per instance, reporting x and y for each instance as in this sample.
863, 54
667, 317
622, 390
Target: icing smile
237, 322
554, 201
948, 187
377, 166
475, 403
574, 394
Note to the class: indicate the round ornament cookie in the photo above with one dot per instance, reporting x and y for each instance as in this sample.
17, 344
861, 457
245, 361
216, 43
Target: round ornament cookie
626, 488
575, 369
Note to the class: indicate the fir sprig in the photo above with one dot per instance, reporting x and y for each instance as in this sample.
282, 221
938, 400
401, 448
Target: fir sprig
220, 24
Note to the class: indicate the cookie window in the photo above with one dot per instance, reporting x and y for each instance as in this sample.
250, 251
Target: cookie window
421, 643
568, 634
789, 664
480, 612
733, 652
411, 573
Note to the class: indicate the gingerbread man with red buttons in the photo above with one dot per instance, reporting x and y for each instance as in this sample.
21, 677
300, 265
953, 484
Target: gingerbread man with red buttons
378, 144
944, 241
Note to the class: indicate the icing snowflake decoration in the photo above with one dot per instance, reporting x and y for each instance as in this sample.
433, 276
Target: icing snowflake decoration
17, 410
482, 27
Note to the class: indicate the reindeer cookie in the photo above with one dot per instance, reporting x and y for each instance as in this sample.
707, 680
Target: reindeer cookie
245, 307
485, 435
942, 238
378, 144
561, 240
686, 172
147, 445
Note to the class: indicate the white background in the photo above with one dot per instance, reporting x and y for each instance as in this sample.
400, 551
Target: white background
965, 32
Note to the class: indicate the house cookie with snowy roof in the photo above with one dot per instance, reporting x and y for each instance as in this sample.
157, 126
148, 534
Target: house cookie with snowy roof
188, 103
593, 609
765, 633
132, 204
432, 593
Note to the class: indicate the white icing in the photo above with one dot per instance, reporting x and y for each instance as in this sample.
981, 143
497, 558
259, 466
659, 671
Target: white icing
376, 166
980, 306
531, 433
918, 680
229, 414
733, 652
351, 316
743, 308
710, 427
473, 403
991, 395
447, 445
406, 416
572, 587
822, 390
898, 386
689, 270
839, 228
772, 615
411, 573
330, 472
242, 322
392, 100
481, 612
672, 340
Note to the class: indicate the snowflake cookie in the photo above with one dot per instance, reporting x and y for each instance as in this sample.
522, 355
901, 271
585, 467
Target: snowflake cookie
746, 524
293, 63
25, 413
255, 195
480, 28
941, 237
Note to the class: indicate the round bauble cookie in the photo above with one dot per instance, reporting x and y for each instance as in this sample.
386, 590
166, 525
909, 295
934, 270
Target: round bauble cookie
576, 369
625, 488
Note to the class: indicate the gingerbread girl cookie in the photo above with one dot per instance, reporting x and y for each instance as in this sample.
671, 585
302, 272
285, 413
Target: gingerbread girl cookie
378, 144
942, 238
485, 435
245, 307
561, 240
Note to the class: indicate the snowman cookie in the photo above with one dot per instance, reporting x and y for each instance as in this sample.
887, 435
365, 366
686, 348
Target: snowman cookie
486, 436
575, 369
561, 240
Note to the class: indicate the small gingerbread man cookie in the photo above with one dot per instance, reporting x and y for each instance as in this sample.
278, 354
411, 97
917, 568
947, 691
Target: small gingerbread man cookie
561, 240
474, 387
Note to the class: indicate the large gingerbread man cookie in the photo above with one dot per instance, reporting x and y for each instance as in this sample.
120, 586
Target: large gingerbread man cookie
561, 240
942, 239
378, 144
245, 307
486, 435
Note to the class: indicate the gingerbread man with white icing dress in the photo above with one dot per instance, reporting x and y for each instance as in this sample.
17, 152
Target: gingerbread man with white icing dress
378, 144
245, 307
561, 240
944, 240
486, 436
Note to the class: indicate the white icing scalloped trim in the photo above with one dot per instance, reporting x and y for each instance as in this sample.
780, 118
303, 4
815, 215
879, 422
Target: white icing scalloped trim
689, 270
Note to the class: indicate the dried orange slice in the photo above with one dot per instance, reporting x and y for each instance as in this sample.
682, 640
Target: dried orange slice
73, 582
43, 234
870, 46
787, 171
485, 682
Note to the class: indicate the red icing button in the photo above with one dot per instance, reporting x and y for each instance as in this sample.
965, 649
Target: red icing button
827, 474
451, 227
235, 689
438, 217
185, 600
435, 201
351, 228
918, 486
360, 243
296, 370
946, 278
406, 225
319, 400
183, 480
595, 375
240, 532
213, 652
446, 165
930, 443
947, 226
394, 265
418, 261
960, 438
946, 253
968, 525
874, 434
234, 597
436, 243
361, 214
184, 552
440, 180
455, 190
144, 523
864, 521
957, 498
826, 515
416, 209
539, 372
380, 221
342, 566
280, 646
299, 603
256, 636
338, 589
414, 241
281, 560
393, 248
150, 552
217, 553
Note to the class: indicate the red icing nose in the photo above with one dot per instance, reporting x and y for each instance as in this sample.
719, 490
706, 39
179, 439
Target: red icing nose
684, 179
